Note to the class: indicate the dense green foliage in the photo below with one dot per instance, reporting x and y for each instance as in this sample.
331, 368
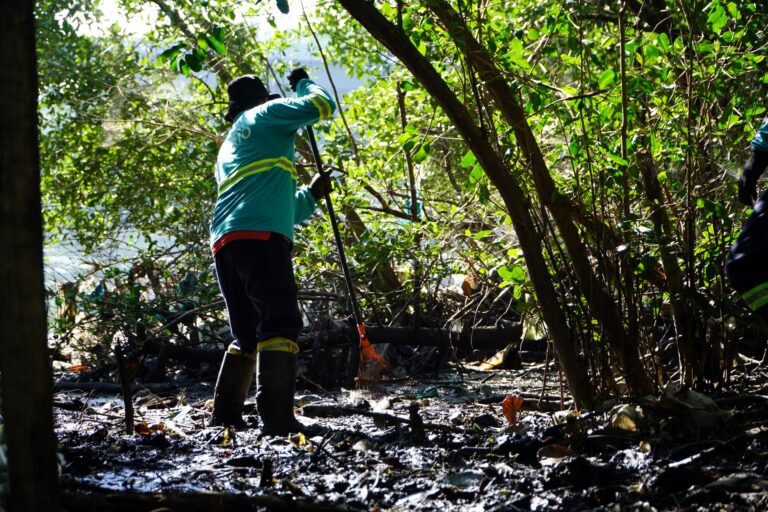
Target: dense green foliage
129, 130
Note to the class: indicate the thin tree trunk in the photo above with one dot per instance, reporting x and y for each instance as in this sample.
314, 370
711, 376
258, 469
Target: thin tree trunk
685, 319
627, 287
593, 288
26, 373
514, 198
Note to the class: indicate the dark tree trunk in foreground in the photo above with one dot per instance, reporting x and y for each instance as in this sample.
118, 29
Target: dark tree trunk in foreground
26, 374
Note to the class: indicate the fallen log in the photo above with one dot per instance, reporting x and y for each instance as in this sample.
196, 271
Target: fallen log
166, 352
482, 338
183, 354
340, 335
335, 411
112, 387
479, 338
532, 402
70, 405
188, 502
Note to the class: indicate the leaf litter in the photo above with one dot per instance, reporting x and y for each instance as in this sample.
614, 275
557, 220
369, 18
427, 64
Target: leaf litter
465, 439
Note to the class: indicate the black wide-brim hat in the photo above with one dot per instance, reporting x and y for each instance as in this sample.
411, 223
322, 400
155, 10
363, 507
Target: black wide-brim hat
246, 92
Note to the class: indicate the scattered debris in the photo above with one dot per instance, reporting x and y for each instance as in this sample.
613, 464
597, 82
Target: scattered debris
455, 441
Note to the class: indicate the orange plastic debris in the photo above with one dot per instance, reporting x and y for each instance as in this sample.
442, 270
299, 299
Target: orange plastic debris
372, 364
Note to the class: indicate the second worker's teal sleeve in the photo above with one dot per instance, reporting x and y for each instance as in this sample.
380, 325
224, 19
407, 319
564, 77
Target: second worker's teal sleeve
760, 142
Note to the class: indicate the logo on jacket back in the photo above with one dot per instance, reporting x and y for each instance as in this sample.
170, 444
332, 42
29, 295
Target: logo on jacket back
243, 134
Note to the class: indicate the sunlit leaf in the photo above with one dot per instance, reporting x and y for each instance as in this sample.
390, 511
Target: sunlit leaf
607, 77
216, 45
468, 160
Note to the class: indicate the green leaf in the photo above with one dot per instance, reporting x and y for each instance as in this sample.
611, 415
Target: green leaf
217, 34
421, 154
505, 273
733, 120
607, 77
616, 159
663, 40
733, 10
651, 54
717, 18
513, 274
468, 160
283, 6
476, 174
387, 10
216, 45
516, 55
408, 141
484, 194
192, 59
171, 53
184, 67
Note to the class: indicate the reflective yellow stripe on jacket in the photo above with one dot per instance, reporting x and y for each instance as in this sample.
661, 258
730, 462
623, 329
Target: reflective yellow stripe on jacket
257, 167
757, 297
323, 108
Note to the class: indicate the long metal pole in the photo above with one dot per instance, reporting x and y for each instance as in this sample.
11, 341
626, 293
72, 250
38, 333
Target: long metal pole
335, 224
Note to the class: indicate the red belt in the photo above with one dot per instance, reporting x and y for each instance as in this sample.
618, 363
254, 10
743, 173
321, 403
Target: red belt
242, 235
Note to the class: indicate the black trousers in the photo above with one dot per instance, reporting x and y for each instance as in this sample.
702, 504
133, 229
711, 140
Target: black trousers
747, 263
259, 288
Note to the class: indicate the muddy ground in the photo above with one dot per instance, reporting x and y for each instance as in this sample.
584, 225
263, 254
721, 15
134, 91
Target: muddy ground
440, 442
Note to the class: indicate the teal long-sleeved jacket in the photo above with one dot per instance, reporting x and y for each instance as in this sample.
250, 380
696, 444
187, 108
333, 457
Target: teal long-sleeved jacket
760, 142
256, 166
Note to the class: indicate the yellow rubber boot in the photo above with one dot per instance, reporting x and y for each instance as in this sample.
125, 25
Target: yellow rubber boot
276, 377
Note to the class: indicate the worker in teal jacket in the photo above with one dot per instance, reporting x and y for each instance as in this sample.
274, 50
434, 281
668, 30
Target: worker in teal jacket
746, 263
251, 239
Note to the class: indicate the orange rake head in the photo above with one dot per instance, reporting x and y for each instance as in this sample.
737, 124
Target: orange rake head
372, 364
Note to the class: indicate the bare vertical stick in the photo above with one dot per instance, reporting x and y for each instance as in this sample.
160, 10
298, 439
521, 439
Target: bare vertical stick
125, 383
